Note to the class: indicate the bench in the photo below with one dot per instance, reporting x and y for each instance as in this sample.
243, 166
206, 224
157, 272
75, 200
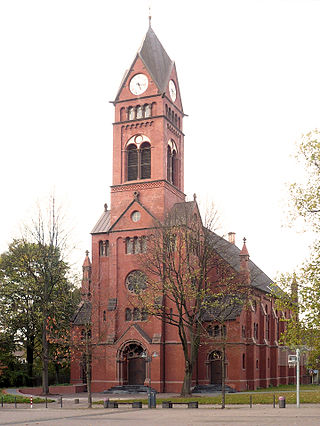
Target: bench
114, 404
169, 404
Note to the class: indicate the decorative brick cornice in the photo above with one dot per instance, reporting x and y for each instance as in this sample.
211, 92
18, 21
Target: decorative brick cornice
138, 186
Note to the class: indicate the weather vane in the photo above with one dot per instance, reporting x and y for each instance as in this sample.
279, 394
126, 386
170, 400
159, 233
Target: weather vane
150, 15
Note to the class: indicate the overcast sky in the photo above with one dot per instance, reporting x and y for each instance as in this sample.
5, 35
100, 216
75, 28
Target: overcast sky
249, 79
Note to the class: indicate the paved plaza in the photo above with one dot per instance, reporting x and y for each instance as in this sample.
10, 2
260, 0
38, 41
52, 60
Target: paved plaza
71, 414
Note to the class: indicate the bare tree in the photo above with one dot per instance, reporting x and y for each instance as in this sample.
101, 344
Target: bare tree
184, 277
47, 233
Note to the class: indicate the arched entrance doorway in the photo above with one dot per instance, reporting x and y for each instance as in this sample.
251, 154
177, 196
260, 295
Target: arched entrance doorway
133, 364
215, 368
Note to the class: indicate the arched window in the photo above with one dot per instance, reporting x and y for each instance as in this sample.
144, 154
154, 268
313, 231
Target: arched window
104, 316
224, 331
172, 162
139, 111
144, 315
147, 110
131, 113
145, 155
216, 331
138, 157
136, 245
104, 248
128, 315
210, 331
132, 162
122, 114
136, 314
243, 361
169, 164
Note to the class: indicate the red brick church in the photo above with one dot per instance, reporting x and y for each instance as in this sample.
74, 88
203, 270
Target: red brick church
131, 348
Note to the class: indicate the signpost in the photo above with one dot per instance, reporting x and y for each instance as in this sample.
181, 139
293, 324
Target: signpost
294, 360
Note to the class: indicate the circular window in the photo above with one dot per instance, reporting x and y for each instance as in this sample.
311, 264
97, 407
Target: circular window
136, 281
135, 216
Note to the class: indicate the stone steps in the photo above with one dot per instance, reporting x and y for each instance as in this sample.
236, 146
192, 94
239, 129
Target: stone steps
212, 389
127, 389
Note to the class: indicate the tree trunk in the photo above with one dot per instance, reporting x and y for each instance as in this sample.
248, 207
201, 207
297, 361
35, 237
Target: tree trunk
223, 377
186, 387
57, 369
45, 358
30, 356
88, 368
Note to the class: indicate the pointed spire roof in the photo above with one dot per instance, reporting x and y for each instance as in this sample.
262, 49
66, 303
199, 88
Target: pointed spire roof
155, 59
86, 262
244, 251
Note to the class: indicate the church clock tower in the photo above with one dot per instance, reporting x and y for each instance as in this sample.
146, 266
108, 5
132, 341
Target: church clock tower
148, 180
148, 146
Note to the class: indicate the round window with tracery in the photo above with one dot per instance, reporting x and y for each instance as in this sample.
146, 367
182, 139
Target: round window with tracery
136, 282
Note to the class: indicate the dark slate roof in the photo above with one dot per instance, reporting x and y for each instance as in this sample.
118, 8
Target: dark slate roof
231, 254
83, 314
155, 59
103, 224
181, 213
225, 308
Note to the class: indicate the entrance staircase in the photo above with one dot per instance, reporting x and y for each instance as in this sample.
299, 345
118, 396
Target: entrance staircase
128, 389
212, 389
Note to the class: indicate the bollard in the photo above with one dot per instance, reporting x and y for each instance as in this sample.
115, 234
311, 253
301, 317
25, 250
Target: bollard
2, 401
30, 401
274, 400
15, 402
61, 401
250, 401
152, 403
46, 402
282, 402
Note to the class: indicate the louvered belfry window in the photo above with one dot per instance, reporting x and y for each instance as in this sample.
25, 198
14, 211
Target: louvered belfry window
145, 155
139, 161
132, 162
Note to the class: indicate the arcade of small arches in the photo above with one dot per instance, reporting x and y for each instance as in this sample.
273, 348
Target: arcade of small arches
172, 116
217, 331
136, 245
136, 314
137, 112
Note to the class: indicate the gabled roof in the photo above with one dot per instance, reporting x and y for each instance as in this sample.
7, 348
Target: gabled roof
155, 59
83, 314
103, 224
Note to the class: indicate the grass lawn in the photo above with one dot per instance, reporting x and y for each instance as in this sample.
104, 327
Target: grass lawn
308, 394
10, 399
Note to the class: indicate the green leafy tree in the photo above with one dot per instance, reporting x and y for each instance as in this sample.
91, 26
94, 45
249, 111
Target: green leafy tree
302, 289
35, 286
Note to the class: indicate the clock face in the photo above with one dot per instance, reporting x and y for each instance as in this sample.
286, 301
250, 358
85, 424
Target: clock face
172, 90
138, 84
